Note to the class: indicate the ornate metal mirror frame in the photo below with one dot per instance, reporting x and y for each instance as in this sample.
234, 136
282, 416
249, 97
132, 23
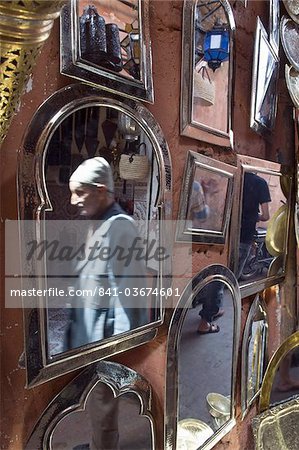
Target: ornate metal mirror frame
254, 357
270, 268
33, 201
73, 397
199, 129
265, 73
213, 273
74, 65
207, 182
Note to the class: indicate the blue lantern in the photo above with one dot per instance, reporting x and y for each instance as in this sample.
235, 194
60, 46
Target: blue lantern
216, 46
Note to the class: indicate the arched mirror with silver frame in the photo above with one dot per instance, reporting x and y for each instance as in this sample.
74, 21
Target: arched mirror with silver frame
254, 352
261, 223
107, 405
77, 124
207, 71
202, 360
107, 43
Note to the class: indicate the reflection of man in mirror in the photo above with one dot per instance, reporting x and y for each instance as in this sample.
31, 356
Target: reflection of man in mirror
106, 273
255, 208
199, 209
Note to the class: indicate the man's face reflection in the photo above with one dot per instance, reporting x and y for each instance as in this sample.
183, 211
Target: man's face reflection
87, 198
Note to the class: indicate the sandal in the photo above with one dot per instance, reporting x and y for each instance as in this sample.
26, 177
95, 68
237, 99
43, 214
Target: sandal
213, 328
219, 314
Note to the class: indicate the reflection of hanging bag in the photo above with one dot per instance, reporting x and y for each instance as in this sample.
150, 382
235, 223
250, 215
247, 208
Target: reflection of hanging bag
134, 167
204, 87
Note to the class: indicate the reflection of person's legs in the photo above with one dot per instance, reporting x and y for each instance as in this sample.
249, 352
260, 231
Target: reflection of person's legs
212, 301
244, 250
103, 412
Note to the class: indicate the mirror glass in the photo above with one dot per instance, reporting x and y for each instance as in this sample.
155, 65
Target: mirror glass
265, 74
254, 352
107, 43
263, 225
286, 380
110, 35
98, 252
209, 27
205, 376
105, 423
206, 200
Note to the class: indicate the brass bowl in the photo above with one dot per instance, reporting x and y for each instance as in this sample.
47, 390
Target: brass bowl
218, 405
192, 433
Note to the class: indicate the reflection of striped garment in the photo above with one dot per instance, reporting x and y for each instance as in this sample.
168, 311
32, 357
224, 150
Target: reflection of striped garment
198, 207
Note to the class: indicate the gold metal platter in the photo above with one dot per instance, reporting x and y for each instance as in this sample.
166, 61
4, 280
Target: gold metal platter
292, 80
192, 433
289, 31
277, 428
276, 266
276, 231
292, 7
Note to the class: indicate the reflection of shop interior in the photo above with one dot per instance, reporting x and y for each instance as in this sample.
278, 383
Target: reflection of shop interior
92, 132
110, 36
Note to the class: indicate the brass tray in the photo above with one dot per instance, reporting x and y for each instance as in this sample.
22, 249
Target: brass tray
276, 231
292, 7
292, 80
276, 266
289, 31
192, 433
277, 428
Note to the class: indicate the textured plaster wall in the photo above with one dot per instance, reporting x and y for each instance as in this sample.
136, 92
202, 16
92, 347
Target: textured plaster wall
21, 407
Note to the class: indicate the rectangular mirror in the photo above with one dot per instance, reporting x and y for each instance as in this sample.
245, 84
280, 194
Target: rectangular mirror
261, 223
265, 74
107, 43
206, 200
207, 71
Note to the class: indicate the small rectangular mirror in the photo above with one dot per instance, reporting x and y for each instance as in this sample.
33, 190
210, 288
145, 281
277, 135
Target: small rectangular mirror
107, 43
206, 200
261, 224
207, 71
265, 74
